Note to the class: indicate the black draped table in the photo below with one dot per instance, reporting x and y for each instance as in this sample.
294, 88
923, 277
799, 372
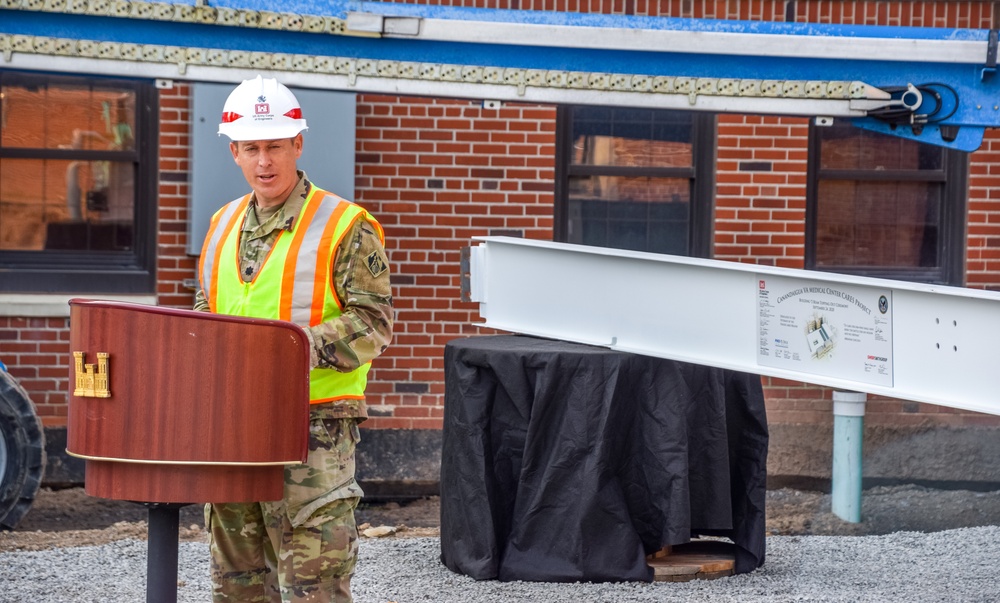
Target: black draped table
564, 462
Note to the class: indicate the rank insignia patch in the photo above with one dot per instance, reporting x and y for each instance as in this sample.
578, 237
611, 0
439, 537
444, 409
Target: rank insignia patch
376, 264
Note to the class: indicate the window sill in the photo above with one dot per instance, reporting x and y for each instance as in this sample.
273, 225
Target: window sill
32, 305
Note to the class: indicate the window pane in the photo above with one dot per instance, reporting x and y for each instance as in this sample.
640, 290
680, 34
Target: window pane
878, 224
631, 137
64, 116
66, 205
77, 190
848, 148
642, 214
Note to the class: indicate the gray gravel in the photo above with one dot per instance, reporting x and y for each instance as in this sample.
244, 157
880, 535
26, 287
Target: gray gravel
951, 566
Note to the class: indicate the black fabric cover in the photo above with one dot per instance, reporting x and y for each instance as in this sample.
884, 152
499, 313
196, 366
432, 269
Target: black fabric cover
564, 462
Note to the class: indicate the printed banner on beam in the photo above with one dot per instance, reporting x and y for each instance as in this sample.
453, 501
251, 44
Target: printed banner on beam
836, 330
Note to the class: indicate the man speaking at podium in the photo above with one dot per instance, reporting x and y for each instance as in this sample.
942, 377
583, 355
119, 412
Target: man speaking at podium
289, 250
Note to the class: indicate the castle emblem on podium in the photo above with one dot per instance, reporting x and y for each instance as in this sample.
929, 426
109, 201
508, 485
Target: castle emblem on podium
92, 381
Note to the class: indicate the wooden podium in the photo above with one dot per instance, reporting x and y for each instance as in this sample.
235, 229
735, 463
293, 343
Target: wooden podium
177, 406
170, 407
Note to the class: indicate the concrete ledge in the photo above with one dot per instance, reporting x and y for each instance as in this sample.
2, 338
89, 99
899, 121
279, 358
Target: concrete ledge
44, 305
392, 463
890, 454
395, 464
816, 484
61, 469
399, 463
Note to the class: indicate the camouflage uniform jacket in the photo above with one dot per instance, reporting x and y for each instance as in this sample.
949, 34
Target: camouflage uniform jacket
364, 329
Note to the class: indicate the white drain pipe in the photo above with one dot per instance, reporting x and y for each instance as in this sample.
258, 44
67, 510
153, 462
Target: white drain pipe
848, 430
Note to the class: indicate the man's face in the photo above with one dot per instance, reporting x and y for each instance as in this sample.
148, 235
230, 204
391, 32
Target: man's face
269, 167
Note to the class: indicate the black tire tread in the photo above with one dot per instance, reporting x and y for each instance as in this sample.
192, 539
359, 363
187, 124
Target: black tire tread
25, 437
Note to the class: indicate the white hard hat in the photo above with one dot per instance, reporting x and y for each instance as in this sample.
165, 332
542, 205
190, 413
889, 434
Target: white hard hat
261, 109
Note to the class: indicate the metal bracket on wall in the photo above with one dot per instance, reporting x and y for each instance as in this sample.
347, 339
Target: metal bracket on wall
465, 282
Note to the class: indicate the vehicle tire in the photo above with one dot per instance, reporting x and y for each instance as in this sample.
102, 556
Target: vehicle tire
22, 452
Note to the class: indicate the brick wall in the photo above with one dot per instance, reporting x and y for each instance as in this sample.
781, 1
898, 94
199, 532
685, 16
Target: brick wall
36, 352
983, 253
760, 198
173, 265
438, 172
941, 13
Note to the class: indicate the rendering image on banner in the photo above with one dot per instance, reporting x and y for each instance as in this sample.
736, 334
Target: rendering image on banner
820, 336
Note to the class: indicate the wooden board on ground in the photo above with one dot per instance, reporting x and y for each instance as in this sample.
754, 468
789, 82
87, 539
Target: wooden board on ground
696, 560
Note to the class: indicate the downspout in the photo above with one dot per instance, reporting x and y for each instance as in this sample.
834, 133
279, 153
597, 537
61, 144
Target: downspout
848, 433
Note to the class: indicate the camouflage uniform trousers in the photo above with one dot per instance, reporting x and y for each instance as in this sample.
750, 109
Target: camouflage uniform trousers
303, 547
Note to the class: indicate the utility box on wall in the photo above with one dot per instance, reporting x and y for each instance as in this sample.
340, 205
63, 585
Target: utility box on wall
327, 153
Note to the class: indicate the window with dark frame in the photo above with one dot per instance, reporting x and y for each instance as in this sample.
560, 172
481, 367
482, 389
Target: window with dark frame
77, 184
884, 206
638, 179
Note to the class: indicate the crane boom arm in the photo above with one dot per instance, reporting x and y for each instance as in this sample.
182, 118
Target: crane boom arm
931, 84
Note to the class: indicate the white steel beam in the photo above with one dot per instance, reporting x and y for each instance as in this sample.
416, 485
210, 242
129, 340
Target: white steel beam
911, 341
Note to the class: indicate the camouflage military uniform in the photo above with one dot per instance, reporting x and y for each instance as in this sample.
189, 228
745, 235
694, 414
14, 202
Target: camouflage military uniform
304, 547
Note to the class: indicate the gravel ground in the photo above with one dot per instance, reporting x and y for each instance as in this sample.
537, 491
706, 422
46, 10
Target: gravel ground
914, 544
954, 566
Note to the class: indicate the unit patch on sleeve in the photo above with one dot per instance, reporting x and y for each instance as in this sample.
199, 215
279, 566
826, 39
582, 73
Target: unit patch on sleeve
376, 264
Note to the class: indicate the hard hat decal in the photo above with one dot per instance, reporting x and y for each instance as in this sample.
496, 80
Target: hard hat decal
229, 117
262, 110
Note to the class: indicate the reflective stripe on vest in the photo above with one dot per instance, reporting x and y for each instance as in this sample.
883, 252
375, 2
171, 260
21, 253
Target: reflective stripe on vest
295, 281
218, 229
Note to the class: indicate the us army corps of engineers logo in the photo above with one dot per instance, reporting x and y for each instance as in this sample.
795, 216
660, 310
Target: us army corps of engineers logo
376, 265
91, 383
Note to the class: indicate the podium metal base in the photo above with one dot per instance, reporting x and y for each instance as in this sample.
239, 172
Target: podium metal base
161, 555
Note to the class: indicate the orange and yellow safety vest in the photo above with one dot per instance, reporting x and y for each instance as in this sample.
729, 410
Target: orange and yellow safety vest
295, 282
